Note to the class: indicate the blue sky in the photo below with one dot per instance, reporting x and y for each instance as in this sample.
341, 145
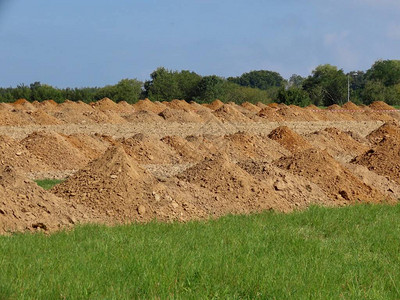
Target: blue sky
80, 43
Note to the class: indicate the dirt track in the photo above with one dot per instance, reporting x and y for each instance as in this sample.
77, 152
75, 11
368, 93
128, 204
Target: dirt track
183, 130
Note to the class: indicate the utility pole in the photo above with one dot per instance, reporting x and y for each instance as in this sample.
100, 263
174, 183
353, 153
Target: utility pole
348, 88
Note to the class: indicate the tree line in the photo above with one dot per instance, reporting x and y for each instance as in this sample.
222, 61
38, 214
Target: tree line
326, 85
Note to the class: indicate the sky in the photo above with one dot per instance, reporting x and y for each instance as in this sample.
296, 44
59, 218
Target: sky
76, 43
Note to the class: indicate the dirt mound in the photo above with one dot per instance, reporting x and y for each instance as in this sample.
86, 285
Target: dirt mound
243, 146
270, 114
180, 105
180, 116
148, 149
146, 104
144, 116
14, 118
90, 146
389, 129
351, 106
233, 186
17, 156
114, 187
295, 113
125, 108
23, 104
261, 105
24, 206
46, 105
216, 104
337, 143
5, 106
55, 150
228, 113
106, 104
289, 139
298, 191
40, 117
342, 186
383, 159
379, 182
186, 151
380, 105
251, 107
334, 107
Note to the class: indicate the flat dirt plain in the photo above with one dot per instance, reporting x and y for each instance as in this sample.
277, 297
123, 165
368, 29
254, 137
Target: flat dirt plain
179, 161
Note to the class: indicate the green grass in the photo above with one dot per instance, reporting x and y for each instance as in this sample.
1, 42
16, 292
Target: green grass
321, 253
47, 184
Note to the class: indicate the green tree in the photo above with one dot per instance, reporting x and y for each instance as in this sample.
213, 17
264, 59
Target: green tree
210, 88
262, 79
294, 95
296, 81
373, 91
385, 71
163, 86
327, 85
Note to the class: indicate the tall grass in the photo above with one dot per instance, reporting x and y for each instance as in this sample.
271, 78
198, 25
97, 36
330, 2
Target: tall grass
321, 253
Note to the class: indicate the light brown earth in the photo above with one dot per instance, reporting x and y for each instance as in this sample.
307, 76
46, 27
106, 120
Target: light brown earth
178, 161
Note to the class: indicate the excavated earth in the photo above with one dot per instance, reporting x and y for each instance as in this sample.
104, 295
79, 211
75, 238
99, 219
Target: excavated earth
179, 161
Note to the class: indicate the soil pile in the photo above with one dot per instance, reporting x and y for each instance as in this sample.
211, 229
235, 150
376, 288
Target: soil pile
55, 150
14, 118
24, 206
146, 104
40, 117
90, 146
387, 130
295, 113
243, 146
144, 116
380, 105
232, 186
341, 186
383, 184
147, 149
351, 106
289, 139
106, 104
114, 187
297, 190
180, 116
125, 108
216, 104
179, 105
337, 143
228, 113
383, 159
251, 107
270, 114
17, 156
185, 150
23, 104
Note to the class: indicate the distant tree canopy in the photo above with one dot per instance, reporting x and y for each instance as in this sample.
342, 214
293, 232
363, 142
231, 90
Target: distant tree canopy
262, 79
326, 85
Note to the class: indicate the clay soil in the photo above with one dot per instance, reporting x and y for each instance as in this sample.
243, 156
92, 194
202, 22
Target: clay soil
179, 161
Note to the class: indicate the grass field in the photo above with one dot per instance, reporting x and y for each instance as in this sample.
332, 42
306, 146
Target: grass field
47, 184
321, 253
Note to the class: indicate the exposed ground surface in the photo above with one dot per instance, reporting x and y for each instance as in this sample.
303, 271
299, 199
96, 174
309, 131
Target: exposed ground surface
181, 161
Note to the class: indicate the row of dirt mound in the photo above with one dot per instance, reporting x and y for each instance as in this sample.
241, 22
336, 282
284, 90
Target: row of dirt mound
106, 111
117, 180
